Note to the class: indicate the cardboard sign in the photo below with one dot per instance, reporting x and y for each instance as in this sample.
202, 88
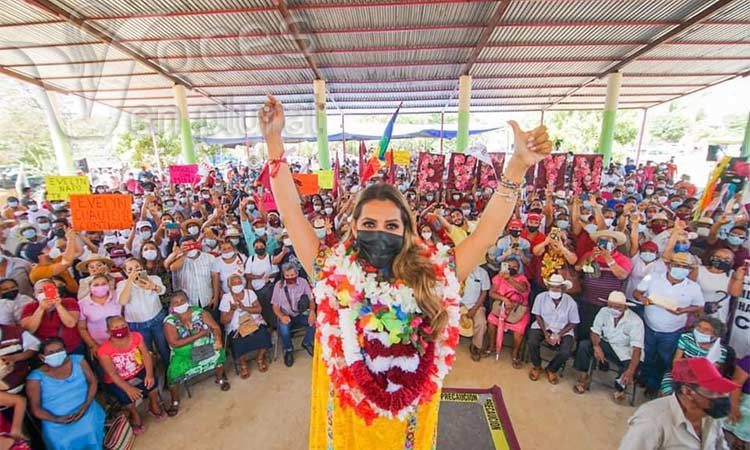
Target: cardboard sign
325, 178
587, 173
551, 172
61, 187
307, 183
101, 212
430, 169
486, 177
401, 157
183, 174
461, 172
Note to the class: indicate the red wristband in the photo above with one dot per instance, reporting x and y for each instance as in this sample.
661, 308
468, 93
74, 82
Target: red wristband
274, 164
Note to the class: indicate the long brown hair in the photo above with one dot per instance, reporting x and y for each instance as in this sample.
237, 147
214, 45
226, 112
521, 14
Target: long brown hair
410, 265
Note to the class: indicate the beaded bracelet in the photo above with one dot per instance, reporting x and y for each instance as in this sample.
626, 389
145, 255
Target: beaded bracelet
509, 197
504, 182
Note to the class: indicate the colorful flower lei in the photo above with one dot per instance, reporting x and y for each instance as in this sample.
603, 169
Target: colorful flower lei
374, 339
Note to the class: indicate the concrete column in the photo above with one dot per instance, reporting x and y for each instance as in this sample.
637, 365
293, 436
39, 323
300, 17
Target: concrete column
60, 143
464, 104
614, 81
186, 134
746, 140
321, 123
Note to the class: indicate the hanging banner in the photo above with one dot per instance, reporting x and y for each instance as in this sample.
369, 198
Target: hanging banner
401, 157
101, 212
430, 169
551, 172
587, 173
61, 187
461, 172
486, 177
183, 174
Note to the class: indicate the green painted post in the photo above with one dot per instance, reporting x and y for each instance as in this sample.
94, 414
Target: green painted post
464, 105
60, 143
610, 114
321, 123
746, 141
186, 133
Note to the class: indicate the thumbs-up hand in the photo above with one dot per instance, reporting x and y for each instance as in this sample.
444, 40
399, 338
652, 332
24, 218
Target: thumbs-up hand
530, 146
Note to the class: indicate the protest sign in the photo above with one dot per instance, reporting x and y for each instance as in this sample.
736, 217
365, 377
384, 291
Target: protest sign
430, 169
61, 187
307, 183
101, 212
401, 157
179, 174
587, 173
486, 177
551, 172
325, 178
461, 172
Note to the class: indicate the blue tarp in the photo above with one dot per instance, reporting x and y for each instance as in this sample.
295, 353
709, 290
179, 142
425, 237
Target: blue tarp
426, 133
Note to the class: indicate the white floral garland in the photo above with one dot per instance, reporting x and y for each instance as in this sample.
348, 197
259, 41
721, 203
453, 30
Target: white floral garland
341, 266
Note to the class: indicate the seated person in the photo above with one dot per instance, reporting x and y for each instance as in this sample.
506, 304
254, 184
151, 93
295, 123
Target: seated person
476, 287
17, 348
701, 342
293, 309
12, 302
11, 429
245, 328
617, 337
556, 317
129, 371
510, 296
195, 340
737, 425
50, 316
61, 394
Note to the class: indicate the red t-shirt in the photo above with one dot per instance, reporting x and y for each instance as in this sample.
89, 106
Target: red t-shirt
583, 243
535, 264
128, 361
52, 326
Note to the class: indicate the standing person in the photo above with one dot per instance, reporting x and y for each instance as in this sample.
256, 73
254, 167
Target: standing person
678, 296
384, 250
713, 279
139, 294
229, 262
687, 419
61, 394
191, 271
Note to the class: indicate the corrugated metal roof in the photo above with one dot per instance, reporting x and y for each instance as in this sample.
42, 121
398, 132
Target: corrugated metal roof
375, 54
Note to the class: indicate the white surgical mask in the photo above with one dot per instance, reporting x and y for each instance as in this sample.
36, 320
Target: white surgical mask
427, 236
193, 230
149, 255
615, 312
329, 210
316, 208
702, 231
702, 338
29, 233
192, 253
227, 255
145, 235
182, 309
608, 221
260, 231
44, 226
33, 208
555, 295
54, 253
237, 288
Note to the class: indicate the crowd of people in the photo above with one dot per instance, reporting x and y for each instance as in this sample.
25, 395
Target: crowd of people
625, 277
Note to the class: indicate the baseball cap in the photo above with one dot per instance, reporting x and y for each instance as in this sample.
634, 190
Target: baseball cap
533, 216
515, 224
649, 246
702, 372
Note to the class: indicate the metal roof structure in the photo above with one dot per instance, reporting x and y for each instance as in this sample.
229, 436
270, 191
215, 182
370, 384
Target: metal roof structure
523, 55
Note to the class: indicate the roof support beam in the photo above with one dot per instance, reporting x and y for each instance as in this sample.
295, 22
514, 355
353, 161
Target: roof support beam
302, 44
489, 28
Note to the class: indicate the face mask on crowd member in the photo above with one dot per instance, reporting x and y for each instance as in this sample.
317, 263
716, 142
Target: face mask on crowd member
609, 218
8, 289
736, 237
149, 252
721, 260
227, 250
562, 222
648, 251
532, 222
679, 267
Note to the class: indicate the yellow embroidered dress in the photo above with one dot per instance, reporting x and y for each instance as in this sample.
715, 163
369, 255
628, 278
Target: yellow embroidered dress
376, 375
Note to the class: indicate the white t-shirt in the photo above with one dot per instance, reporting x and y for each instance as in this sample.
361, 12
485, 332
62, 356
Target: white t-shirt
224, 269
248, 301
259, 266
685, 293
477, 281
144, 304
714, 287
10, 310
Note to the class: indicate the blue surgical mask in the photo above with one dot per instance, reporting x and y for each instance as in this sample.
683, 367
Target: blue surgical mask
674, 205
562, 224
679, 273
733, 239
587, 204
642, 227
590, 228
211, 243
702, 338
56, 359
681, 247
648, 256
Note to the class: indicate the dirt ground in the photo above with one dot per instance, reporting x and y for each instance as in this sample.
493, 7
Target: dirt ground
270, 411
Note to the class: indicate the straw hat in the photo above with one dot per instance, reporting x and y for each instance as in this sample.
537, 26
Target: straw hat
465, 323
659, 216
186, 224
682, 258
617, 298
558, 280
618, 236
83, 266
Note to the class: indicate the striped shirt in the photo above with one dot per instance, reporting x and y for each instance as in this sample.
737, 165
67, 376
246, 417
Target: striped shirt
194, 277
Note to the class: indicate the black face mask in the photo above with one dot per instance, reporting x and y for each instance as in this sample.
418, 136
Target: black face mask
378, 247
260, 251
722, 265
532, 229
58, 232
10, 295
515, 233
535, 211
718, 408
513, 272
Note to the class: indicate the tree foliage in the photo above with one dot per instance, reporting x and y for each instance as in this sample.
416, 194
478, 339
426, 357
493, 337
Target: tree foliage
578, 131
670, 127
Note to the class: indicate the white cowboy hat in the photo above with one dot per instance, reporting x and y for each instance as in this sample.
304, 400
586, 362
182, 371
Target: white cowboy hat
618, 236
558, 280
465, 323
618, 298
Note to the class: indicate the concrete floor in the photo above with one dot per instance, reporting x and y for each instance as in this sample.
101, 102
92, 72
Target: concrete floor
270, 411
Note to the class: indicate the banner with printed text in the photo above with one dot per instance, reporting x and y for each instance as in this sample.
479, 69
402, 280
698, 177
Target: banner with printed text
461, 172
101, 212
587, 173
430, 169
486, 177
61, 187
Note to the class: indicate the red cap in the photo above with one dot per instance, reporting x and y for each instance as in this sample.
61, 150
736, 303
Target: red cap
259, 221
650, 246
515, 224
534, 216
702, 372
